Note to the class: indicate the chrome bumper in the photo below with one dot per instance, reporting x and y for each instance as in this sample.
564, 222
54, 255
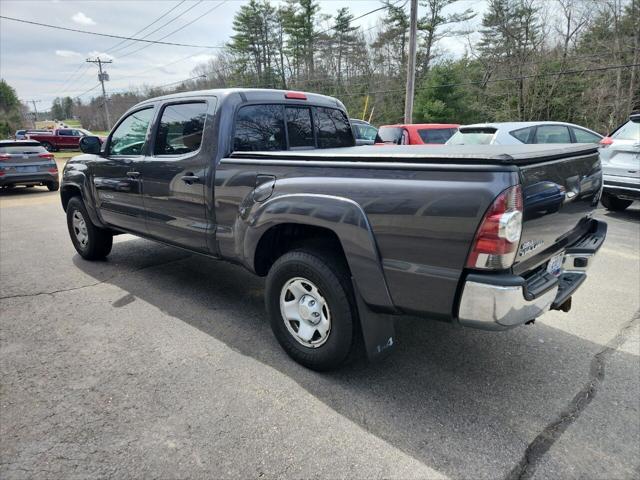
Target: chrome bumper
499, 302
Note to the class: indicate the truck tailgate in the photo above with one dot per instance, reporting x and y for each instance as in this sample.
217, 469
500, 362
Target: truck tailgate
559, 197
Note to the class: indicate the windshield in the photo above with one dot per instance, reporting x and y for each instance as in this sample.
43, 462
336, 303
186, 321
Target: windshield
390, 134
364, 132
629, 131
472, 136
84, 132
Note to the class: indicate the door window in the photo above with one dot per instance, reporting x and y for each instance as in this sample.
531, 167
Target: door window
522, 134
180, 129
552, 134
259, 128
582, 136
130, 136
333, 129
65, 133
299, 127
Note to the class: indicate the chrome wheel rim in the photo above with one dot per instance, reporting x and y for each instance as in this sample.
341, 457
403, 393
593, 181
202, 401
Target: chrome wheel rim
80, 228
305, 312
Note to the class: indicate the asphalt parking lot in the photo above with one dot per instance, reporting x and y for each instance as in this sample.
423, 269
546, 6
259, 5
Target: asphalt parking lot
161, 364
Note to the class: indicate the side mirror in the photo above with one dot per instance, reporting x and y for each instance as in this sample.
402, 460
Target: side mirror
90, 145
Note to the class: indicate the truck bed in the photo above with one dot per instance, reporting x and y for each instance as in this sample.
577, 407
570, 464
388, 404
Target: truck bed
517, 155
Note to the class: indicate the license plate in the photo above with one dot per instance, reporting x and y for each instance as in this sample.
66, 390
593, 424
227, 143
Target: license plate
555, 264
29, 169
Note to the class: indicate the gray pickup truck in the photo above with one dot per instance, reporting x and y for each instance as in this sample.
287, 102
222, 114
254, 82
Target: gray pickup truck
349, 238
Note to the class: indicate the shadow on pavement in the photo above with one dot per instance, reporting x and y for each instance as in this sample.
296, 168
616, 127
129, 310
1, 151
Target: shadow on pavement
457, 400
631, 213
19, 190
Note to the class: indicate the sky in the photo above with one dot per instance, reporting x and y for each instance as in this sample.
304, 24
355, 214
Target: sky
42, 63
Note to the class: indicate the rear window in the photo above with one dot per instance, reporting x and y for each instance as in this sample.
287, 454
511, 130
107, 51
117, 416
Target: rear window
436, 135
259, 128
333, 128
629, 131
390, 134
472, 136
299, 127
22, 148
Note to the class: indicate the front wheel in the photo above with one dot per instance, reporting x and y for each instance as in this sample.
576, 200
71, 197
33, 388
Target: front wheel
614, 203
91, 242
309, 299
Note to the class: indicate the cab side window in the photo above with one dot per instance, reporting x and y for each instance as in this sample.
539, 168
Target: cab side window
180, 129
522, 134
552, 134
130, 136
65, 133
582, 136
259, 128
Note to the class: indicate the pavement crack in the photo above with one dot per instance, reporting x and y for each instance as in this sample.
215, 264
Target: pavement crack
106, 280
540, 445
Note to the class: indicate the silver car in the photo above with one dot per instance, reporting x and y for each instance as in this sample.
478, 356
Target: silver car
517, 133
620, 155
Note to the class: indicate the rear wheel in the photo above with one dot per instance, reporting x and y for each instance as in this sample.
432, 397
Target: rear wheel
91, 242
53, 186
614, 203
310, 303
48, 146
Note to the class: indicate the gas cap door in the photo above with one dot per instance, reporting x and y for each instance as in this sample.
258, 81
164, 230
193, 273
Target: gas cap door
264, 187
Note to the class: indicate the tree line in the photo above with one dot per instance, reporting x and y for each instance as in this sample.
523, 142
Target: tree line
565, 60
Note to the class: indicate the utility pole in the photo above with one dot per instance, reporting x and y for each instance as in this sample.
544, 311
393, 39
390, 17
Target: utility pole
35, 109
103, 77
411, 63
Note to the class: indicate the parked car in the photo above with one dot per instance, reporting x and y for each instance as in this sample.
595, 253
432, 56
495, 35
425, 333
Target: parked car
364, 132
20, 135
62, 138
620, 156
517, 133
347, 237
417, 133
26, 162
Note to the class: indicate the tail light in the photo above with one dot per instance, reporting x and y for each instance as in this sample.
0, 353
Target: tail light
606, 141
496, 241
48, 156
53, 170
4, 156
295, 96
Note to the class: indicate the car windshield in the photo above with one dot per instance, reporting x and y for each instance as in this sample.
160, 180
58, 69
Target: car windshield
84, 132
629, 131
472, 136
364, 132
390, 134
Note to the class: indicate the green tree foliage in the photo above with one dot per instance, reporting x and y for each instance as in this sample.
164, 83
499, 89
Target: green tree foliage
10, 110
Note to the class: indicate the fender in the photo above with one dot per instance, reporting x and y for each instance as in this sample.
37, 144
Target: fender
342, 216
74, 175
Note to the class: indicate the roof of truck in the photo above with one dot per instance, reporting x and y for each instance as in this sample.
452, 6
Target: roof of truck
252, 95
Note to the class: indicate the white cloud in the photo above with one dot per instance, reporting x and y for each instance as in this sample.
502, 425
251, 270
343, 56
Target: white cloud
67, 53
82, 19
102, 55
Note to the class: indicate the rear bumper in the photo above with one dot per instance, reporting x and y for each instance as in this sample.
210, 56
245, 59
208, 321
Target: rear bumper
28, 178
502, 301
623, 187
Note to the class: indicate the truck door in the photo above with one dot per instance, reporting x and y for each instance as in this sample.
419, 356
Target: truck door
117, 176
175, 174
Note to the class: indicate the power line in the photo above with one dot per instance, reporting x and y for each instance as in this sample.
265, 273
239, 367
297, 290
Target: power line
507, 79
56, 27
180, 28
384, 7
143, 29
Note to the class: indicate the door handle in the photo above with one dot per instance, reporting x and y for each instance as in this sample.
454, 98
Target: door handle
133, 174
190, 178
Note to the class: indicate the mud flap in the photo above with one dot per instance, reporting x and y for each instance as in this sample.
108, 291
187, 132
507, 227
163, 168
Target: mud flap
378, 331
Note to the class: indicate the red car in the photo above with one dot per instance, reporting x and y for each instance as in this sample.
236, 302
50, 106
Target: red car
62, 138
417, 133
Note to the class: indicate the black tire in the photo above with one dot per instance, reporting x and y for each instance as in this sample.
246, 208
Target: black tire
614, 204
328, 272
48, 146
98, 241
53, 186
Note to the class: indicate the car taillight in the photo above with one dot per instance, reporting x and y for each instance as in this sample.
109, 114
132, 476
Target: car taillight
49, 156
606, 141
53, 170
497, 238
4, 156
